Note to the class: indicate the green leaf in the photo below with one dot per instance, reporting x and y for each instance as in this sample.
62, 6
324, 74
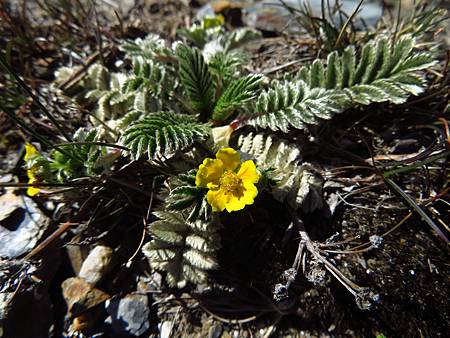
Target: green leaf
380, 73
296, 183
199, 34
241, 36
186, 195
426, 18
237, 93
160, 135
86, 160
293, 104
225, 65
197, 80
146, 47
184, 249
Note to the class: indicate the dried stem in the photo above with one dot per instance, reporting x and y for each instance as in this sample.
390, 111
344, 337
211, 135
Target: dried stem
313, 248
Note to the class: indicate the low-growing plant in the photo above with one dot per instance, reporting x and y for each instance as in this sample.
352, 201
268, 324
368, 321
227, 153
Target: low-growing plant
178, 101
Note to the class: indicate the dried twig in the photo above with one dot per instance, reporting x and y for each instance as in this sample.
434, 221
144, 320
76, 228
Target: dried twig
363, 296
64, 228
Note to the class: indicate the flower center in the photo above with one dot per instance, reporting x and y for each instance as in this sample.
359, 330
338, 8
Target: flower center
230, 182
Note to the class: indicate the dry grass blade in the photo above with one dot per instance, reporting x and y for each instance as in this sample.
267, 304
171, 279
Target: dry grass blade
417, 208
347, 22
36, 100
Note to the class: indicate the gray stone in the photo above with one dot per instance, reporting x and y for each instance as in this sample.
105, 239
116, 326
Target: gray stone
130, 314
4, 178
21, 225
272, 16
215, 331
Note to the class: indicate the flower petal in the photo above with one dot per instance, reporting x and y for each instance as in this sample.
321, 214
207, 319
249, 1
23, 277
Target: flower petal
248, 172
209, 172
218, 199
30, 151
32, 191
229, 157
245, 197
235, 203
250, 192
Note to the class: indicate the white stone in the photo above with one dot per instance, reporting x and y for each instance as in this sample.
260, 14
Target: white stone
96, 264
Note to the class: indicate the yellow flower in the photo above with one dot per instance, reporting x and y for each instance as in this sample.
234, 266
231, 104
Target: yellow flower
231, 183
213, 21
30, 152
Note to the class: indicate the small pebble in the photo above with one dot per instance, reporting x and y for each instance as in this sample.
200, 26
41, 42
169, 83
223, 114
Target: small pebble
130, 314
96, 264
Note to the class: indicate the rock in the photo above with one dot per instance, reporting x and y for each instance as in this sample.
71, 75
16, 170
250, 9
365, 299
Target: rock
215, 331
165, 329
77, 256
96, 264
270, 15
204, 12
81, 296
150, 284
130, 314
5, 178
21, 225
83, 303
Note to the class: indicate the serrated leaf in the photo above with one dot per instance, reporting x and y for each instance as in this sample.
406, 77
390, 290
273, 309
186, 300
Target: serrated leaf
199, 260
184, 250
84, 160
241, 36
159, 135
293, 104
186, 195
144, 47
197, 80
237, 93
379, 73
296, 183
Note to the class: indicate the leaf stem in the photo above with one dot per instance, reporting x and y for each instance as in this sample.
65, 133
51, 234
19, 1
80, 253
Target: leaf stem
111, 145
